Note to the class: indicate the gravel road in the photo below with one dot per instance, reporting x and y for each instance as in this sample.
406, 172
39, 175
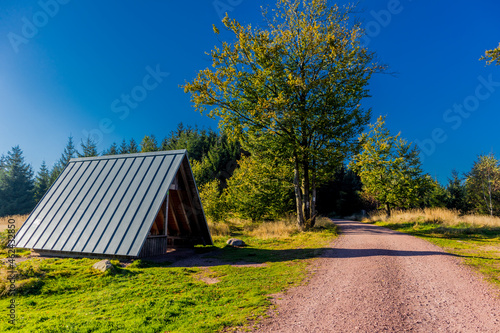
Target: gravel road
378, 280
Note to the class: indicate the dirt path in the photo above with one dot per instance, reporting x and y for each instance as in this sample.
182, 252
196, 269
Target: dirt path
379, 280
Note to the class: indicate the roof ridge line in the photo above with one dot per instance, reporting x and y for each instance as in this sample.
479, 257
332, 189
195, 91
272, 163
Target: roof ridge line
153, 153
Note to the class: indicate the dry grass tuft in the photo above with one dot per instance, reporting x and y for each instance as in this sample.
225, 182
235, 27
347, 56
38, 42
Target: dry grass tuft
20, 219
443, 216
219, 228
277, 229
323, 221
283, 228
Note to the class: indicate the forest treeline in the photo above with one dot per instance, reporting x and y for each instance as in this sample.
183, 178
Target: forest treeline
233, 182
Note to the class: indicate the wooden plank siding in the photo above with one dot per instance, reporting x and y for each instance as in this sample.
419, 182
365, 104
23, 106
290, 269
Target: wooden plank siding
154, 245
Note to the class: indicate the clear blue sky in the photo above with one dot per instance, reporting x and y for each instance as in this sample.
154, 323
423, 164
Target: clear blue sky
67, 69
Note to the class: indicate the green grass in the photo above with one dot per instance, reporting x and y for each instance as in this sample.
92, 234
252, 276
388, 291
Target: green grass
478, 246
66, 295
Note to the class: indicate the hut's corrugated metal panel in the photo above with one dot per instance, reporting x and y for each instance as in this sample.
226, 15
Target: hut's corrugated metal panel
103, 205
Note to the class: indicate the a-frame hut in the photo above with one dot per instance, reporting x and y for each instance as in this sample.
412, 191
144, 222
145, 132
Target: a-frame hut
133, 205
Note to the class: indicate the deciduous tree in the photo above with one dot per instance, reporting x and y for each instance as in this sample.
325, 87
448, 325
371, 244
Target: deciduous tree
483, 185
390, 169
292, 90
214, 201
260, 189
149, 144
492, 56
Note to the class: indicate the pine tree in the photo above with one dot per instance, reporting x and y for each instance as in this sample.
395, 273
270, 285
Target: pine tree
124, 148
42, 182
113, 150
437, 196
456, 193
3, 164
89, 148
133, 148
17, 185
55, 172
68, 153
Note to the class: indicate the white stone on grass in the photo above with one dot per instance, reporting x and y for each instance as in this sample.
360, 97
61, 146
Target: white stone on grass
104, 266
235, 242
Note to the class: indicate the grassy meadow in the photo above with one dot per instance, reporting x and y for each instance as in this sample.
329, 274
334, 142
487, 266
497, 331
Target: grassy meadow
67, 295
474, 238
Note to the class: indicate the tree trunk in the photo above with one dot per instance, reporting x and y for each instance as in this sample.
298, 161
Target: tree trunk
489, 193
307, 203
313, 202
298, 196
388, 210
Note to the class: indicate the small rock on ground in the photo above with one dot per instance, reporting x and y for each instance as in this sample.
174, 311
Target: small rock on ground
103, 266
235, 242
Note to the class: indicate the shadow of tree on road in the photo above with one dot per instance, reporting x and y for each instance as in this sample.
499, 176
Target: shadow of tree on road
249, 255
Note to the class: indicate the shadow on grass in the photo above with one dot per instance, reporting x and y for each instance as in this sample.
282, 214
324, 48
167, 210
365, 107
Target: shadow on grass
249, 256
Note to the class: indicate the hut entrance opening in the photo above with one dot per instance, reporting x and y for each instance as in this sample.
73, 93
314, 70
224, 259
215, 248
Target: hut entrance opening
172, 227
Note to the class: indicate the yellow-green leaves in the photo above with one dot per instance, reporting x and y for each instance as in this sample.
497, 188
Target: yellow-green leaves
389, 169
492, 56
260, 188
483, 185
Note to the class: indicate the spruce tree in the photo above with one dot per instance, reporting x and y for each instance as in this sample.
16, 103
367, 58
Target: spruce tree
17, 185
456, 193
89, 148
42, 182
68, 153
133, 148
55, 172
113, 150
124, 148
3, 164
